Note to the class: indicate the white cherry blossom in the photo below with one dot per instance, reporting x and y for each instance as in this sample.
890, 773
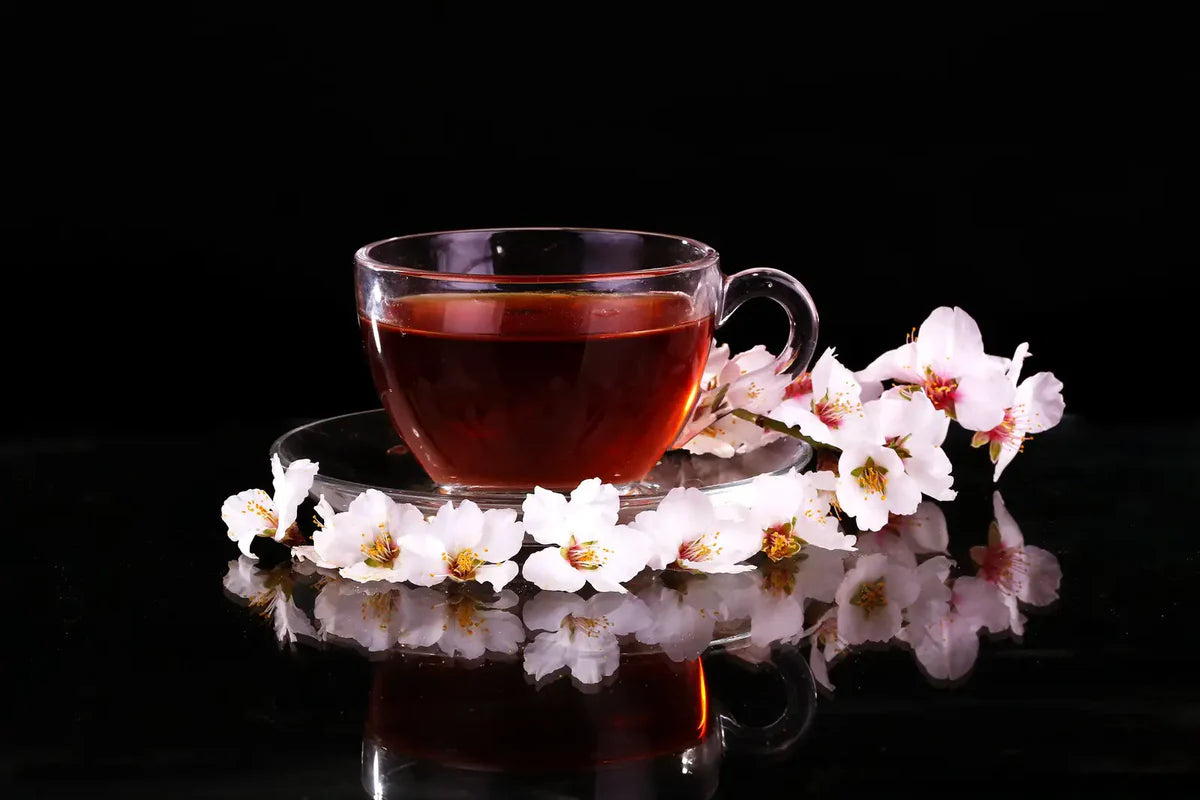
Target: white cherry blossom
826, 646
270, 592
581, 634
1037, 406
254, 513
476, 545
1021, 572
745, 381
823, 402
688, 532
375, 539
910, 425
872, 484
790, 512
947, 362
781, 591
871, 598
588, 545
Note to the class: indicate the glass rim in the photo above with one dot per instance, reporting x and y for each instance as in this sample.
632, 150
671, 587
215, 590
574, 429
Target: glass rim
708, 258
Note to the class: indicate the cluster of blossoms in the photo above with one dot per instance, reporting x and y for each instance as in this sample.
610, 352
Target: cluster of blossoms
887, 442
896, 588
377, 539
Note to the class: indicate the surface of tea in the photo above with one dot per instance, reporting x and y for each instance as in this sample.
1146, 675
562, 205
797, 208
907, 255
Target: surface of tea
513, 390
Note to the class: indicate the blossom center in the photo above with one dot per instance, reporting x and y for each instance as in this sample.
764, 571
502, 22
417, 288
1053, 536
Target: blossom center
1003, 566
778, 581
780, 542
383, 550
584, 555
590, 627
697, 550
872, 477
799, 387
940, 391
462, 567
270, 516
897, 443
831, 412
871, 595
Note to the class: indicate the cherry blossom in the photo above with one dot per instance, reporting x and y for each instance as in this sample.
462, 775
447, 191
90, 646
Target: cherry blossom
1037, 406
375, 539
826, 646
903, 538
253, 513
823, 402
1022, 573
688, 532
581, 634
790, 512
911, 426
781, 591
475, 545
871, 598
872, 484
946, 361
588, 545
270, 592
746, 381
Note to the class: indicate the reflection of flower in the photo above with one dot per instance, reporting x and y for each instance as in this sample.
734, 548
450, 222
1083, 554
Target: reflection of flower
778, 601
253, 513
1022, 573
682, 620
902, 539
944, 633
744, 381
826, 646
872, 484
947, 363
824, 402
372, 615
589, 546
688, 532
473, 627
790, 512
475, 545
871, 597
270, 591
1037, 406
375, 539
582, 633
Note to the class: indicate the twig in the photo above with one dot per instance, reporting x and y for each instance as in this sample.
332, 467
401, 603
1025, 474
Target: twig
765, 422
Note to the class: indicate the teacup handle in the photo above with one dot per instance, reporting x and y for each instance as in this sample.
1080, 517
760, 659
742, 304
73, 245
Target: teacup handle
795, 717
797, 303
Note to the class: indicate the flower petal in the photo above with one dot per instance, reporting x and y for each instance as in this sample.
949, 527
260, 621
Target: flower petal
498, 575
502, 534
548, 569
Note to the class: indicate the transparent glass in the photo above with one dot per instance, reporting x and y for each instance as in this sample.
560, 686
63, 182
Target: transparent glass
522, 357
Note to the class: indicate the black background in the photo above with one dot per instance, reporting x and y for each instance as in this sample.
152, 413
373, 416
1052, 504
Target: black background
185, 194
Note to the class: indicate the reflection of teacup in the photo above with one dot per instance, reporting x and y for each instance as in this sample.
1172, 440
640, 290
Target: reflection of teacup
438, 726
546, 356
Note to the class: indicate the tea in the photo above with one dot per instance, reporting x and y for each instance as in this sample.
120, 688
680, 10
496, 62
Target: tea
512, 390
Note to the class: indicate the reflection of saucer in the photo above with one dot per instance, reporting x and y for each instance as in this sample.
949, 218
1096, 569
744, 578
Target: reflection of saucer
359, 452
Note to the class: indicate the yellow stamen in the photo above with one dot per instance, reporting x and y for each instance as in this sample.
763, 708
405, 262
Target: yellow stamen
870, 596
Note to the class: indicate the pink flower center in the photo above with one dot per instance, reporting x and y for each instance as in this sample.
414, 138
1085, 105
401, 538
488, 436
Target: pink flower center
940, 391
1006, 567
831, 412
780, 542
584, 555
462, 567
799, 387
696, 550
382, 551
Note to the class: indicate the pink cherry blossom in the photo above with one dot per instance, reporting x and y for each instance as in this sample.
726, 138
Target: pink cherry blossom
947, 363
1037, 406
1022, 573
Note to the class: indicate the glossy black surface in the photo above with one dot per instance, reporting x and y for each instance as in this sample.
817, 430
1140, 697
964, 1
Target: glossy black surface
131, 674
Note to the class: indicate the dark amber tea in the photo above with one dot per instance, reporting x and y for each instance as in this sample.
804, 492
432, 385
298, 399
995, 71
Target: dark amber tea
518, 389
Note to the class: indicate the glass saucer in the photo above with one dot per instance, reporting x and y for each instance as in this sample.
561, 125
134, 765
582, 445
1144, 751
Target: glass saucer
360, 451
